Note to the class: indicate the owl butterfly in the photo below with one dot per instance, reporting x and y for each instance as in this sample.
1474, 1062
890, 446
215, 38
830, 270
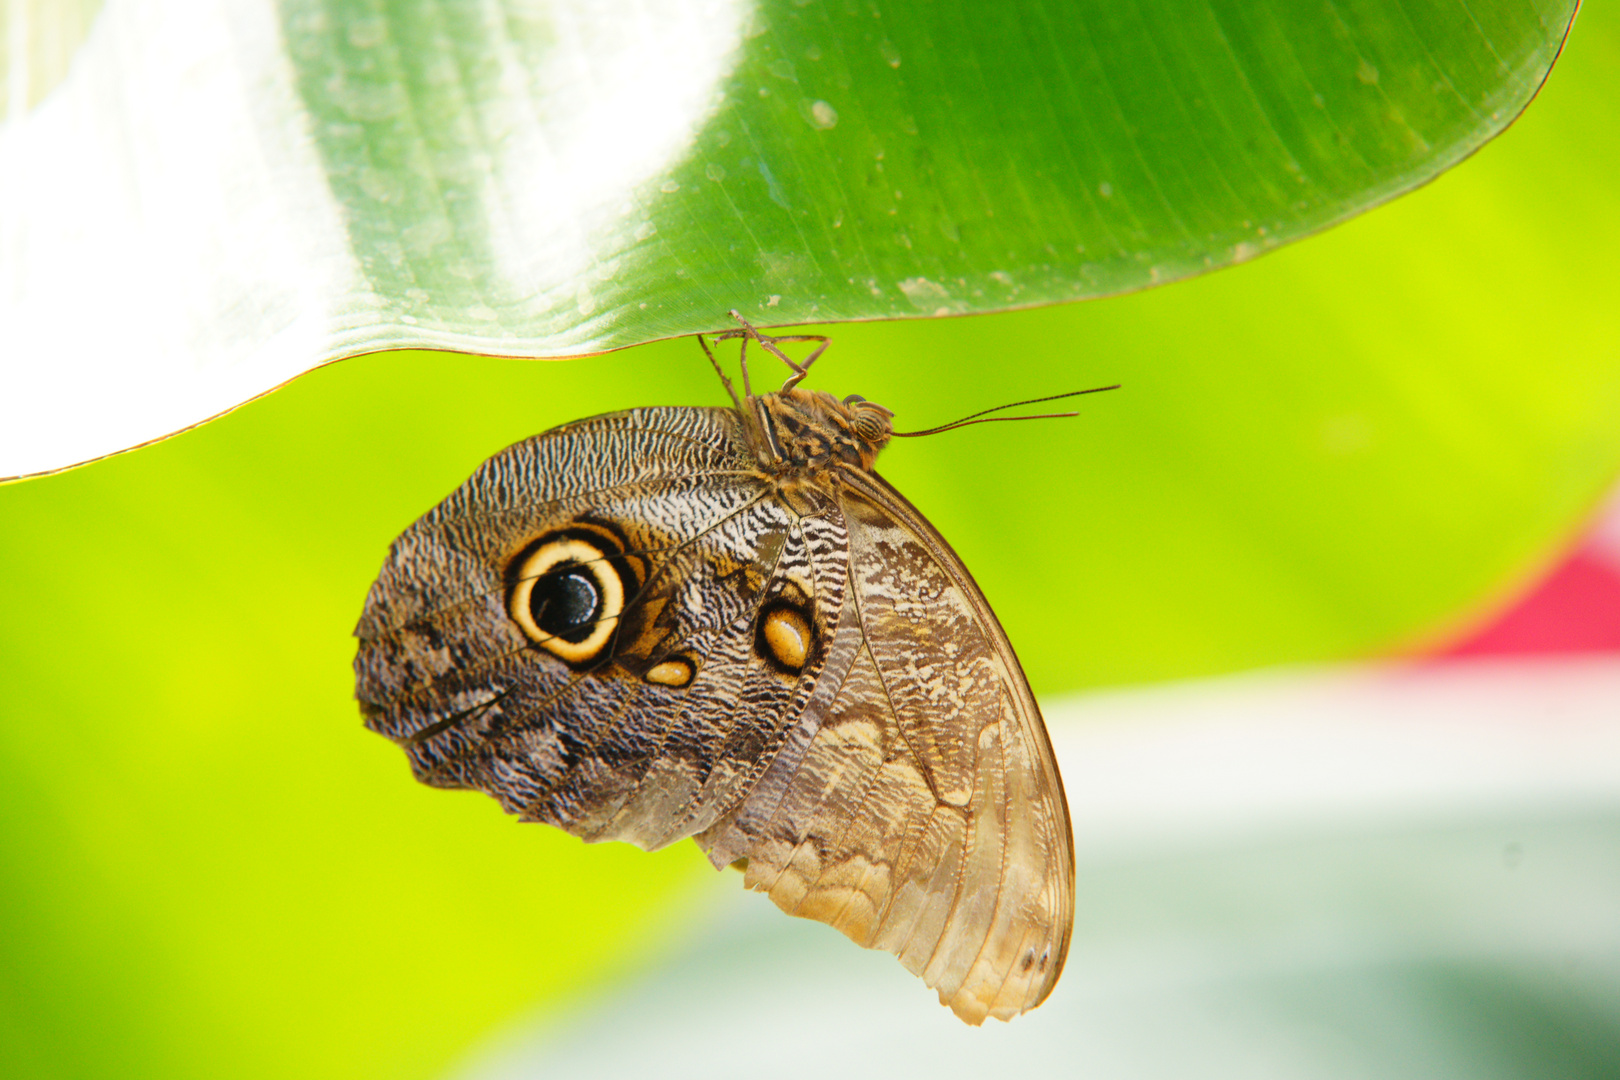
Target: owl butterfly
720, 623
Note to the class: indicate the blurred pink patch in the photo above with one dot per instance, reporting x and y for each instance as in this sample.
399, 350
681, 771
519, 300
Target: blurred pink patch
1575, 609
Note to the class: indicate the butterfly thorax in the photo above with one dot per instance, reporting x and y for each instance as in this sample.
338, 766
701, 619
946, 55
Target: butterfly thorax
811, 429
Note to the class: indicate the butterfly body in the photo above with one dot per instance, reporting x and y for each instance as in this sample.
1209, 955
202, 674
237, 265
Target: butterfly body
721, 623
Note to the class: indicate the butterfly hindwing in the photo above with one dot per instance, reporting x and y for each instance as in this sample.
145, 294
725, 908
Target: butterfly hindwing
917, 808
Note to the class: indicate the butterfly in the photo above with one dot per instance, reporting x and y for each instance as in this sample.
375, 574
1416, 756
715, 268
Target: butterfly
721, 623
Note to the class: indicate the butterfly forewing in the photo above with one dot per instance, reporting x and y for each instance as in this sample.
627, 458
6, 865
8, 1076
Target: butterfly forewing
601, 747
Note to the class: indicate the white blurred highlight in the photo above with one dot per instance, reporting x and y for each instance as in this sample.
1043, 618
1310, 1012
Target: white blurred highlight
1188, 762
624, 93
170, 246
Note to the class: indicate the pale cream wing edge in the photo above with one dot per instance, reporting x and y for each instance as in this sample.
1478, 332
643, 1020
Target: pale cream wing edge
917, 807
1026, 938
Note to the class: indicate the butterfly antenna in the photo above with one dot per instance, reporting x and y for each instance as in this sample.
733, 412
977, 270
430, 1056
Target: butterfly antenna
984, 417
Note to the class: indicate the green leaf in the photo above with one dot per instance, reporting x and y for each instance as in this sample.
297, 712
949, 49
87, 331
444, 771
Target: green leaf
211, 200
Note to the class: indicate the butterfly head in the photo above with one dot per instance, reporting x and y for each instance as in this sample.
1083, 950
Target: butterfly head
812, 429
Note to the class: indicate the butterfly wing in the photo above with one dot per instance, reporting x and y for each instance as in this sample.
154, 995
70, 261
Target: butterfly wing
801, 673
917, 806
662, 714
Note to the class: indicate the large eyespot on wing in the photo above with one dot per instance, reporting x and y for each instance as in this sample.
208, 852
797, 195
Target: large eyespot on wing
567, 591
918, 807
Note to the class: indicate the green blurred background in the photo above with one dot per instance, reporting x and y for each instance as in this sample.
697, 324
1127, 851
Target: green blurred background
1356, 446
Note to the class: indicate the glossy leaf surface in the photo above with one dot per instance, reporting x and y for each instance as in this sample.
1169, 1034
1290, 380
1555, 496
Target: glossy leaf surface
203, 202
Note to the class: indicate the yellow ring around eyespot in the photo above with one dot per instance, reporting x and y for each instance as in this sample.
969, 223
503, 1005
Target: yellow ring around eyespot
788, 637
595, 562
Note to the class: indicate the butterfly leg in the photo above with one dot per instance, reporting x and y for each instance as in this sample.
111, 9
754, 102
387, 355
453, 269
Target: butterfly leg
718, 370
768, 342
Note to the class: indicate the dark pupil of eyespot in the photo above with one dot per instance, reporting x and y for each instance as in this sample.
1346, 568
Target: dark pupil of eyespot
565, 602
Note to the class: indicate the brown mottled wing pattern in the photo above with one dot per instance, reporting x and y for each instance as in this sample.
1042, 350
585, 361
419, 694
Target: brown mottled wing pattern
917, 806
600, 749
